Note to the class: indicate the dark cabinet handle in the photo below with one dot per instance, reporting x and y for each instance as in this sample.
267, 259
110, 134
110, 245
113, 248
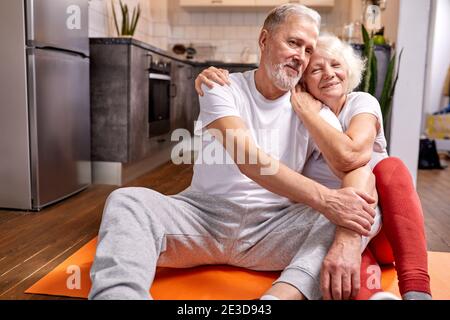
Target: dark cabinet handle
173, 90
150, 60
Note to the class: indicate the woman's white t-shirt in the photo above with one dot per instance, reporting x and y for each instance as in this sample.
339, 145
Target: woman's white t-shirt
357, 103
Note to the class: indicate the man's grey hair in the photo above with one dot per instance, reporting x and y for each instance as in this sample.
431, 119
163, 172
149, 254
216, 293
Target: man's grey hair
335, 48
280, 14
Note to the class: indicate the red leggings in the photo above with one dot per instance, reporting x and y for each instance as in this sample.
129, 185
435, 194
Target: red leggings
402, 235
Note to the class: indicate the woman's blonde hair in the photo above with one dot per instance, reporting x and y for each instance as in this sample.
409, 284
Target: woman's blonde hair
337, 49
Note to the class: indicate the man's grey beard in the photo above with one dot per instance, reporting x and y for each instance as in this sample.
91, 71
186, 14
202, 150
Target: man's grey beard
281, 78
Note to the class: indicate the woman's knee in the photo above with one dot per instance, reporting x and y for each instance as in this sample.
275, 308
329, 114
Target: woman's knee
392, 172
390, 166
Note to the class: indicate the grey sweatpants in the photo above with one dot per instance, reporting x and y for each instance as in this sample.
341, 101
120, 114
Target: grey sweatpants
142, 229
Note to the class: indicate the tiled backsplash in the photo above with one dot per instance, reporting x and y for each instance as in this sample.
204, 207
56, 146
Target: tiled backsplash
153, 26
230, 32
219, 35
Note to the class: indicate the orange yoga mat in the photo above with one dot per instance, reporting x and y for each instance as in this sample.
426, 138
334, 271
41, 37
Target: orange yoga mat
71, 279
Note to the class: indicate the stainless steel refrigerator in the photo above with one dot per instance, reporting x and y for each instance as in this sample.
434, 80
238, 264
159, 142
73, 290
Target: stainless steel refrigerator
44, 101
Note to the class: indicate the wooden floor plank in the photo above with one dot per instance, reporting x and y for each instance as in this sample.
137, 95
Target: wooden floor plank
433, 187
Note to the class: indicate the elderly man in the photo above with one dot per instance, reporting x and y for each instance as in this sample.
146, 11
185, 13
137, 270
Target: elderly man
254, 209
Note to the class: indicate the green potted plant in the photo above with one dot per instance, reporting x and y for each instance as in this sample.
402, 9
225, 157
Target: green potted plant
369, 82
129, 24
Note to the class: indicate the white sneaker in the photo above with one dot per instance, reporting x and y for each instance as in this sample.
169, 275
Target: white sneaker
384, 295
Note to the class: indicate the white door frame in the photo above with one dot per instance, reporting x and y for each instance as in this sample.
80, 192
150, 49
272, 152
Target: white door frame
407, 112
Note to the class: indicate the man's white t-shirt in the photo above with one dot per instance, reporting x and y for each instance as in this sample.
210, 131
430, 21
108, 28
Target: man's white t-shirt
357, 103
274, 126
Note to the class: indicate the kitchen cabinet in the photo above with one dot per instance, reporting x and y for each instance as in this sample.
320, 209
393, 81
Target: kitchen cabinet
309, 3
109, 78
317, 3
138, 104
217, 3
252, 3
120, 103
270, 3
122, 96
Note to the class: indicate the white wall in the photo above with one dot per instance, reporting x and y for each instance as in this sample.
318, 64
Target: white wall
414, 17
439, 55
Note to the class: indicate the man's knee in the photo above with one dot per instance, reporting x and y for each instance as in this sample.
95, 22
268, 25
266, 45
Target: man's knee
124, 203
133, 195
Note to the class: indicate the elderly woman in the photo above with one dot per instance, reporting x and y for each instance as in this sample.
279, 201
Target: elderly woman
358, 144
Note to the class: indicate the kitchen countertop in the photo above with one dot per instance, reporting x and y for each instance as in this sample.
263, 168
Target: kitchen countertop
146, 46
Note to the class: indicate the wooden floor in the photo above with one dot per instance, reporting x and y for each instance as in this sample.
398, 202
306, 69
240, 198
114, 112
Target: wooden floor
32, 244
433, 187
